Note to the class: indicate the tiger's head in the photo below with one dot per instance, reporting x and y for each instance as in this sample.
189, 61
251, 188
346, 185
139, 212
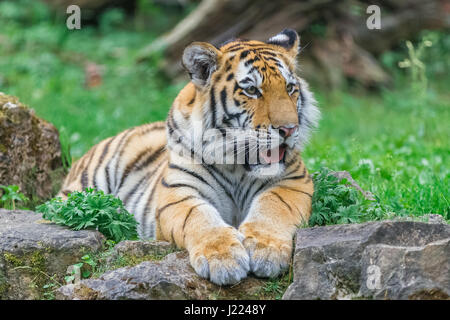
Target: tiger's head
245, 94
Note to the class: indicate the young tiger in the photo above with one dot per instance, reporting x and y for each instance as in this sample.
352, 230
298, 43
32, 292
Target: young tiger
233, 217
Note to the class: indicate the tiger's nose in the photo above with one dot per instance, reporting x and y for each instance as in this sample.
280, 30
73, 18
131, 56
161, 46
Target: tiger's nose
286, 131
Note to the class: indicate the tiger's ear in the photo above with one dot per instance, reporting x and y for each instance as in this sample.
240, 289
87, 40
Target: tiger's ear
200, 59
289, 40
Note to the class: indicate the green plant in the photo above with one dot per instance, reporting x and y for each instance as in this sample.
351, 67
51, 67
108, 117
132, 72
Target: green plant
92, 209
85, 267
10, 195
50, 288
274, 288
415, 64
334, 202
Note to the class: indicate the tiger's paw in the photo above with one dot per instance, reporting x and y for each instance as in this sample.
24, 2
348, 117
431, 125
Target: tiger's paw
221, 257
269, 256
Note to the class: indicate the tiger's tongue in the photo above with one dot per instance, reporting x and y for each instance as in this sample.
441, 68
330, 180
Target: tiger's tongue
273, 156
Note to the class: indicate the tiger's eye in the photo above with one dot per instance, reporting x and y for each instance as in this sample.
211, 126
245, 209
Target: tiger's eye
289, 87
251, 90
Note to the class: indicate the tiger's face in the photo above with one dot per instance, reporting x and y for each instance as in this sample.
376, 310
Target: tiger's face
248, 95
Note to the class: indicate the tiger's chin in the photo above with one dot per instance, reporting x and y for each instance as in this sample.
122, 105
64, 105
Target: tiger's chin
266, 171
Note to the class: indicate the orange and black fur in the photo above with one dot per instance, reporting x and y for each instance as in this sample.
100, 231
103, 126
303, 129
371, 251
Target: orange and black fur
232, 217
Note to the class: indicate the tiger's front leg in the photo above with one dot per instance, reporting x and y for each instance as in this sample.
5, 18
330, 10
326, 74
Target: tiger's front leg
215, 248
271, 223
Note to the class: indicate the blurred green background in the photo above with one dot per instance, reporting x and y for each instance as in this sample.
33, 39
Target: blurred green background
393, 139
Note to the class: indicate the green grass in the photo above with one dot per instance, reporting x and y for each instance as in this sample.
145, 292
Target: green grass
44, 67
393, 144
393, 141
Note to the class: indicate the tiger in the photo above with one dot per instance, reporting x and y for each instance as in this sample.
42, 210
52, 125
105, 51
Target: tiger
234, 218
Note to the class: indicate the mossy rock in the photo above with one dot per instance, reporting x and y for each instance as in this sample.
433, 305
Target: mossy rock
30, 150
35, 254
169, 278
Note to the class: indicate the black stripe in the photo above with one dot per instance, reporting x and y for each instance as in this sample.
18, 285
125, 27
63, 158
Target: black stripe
129, 166
210, 170
245, 80
209, 167
245, 195
213, 107
85, 173
116, 168
145, 179
80, 166
84, 180
272, 59
295, 177
158, 213
252, 69
108, 180
295, 190
133, 190
238, 191
176, 130
249, 62
244, 54
150, 198
254, 194
186, 219
288, 164
100, 162
147, 162
151, 158
235, 150
184, 185
235, 49
302, 175
194, 174
259, 190
292, 161
300, 111
236, 87
270, 53
115, 155
237, 45
282, 200
223, 99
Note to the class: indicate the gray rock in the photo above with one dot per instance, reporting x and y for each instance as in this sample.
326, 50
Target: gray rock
141, 249
406, 272
30, 150
375, 260
170, 278
33, 250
